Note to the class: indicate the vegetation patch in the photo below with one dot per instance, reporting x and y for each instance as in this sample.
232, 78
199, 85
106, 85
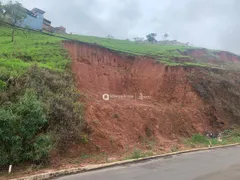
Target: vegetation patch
142, 49
63, 114
137, 154
23, 131
230, 136
199, 139
39, 104
30, 48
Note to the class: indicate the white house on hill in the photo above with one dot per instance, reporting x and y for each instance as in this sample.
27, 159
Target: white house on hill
34, 19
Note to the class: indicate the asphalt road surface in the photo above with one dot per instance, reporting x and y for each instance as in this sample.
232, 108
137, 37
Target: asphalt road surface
220, 164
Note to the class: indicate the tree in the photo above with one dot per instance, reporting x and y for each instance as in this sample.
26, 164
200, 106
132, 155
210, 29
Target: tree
166, 35
16, 12
151, 37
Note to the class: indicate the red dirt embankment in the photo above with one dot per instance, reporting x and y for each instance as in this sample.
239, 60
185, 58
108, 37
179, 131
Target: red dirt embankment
218, 57
173, 111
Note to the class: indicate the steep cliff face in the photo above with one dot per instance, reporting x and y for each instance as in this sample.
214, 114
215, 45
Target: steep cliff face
159, 101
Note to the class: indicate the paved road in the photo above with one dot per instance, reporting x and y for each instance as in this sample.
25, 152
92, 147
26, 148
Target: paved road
221, 164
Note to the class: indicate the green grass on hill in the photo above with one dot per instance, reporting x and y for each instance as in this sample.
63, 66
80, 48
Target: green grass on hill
29, 48
32, 47
162, 53
166, 54
126, 46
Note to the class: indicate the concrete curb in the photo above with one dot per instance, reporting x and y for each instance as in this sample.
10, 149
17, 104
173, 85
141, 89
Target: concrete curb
65, 172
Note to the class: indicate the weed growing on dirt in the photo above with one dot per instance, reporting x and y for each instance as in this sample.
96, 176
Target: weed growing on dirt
199, 139
84, 139
149, 143
137, 153
85, 156
228, 137
231, 136
112, 140
174, 148
148, 131
96, 122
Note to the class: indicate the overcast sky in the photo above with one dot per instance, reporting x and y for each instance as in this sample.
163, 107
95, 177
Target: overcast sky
208, 23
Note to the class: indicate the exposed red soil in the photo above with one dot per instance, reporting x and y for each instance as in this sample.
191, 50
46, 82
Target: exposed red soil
213, 56
173, 112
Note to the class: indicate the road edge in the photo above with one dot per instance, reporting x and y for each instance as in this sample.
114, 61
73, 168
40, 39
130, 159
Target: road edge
71, 171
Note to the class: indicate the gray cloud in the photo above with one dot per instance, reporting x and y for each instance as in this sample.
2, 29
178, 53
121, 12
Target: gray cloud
207, 23
212, 24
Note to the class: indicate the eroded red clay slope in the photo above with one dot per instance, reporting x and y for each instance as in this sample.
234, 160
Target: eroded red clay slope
174, 110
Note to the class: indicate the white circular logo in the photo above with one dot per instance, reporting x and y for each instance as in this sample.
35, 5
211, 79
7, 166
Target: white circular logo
106, 97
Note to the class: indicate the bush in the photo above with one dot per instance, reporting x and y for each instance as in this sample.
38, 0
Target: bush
22, 132
2, 85
4, 74
66, 120
60, 100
